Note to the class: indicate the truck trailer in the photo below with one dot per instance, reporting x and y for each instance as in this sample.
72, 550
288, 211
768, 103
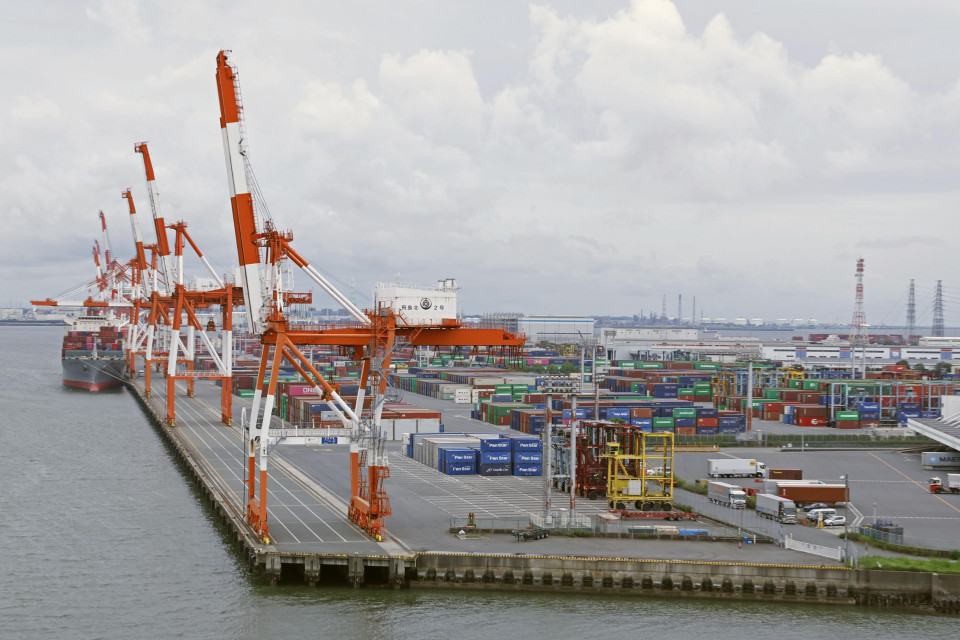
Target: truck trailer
729, 495
952, 485
808, 492
736, 468
785, 474
776, 508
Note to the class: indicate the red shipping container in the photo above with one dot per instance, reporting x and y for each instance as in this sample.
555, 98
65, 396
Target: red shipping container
811, 421
707, 422
685, 431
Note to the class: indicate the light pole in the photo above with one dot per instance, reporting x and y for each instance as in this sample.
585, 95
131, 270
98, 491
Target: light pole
846, 503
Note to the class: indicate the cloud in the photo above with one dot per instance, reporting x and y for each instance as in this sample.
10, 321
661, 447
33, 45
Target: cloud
122, 17
622, 151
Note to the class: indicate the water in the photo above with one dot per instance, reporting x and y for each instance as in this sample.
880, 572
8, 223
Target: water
102, 536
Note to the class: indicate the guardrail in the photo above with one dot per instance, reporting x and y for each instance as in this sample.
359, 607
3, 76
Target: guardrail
834, 553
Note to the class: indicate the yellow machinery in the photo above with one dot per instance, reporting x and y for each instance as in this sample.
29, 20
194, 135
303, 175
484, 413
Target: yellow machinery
640, 470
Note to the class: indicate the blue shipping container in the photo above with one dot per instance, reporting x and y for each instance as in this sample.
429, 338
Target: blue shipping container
461, 469
528, 457
494, 457
495, 444
527, 469
526, 444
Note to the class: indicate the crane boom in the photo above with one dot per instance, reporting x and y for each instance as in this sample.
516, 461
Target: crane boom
142, 265
163, 247
241, 200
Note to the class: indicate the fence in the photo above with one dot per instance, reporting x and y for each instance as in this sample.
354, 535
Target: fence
561, 519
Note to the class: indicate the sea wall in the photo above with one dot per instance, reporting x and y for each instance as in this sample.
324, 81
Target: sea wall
567, 574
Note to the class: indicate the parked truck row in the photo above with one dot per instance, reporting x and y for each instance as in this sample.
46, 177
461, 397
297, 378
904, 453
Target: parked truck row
777, 508
748, 468
736, 468
727, 494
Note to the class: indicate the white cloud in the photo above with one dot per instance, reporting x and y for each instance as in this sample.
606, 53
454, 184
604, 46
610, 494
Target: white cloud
615, 145
122, 17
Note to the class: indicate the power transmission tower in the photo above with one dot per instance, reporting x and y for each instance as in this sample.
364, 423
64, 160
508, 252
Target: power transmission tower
858, 327
679, 308
663, 312
911, 314
937, 329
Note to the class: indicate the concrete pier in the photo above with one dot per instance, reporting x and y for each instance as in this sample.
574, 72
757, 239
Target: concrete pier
315, 544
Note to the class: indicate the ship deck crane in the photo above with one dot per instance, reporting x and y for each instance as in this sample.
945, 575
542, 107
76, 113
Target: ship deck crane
261, 250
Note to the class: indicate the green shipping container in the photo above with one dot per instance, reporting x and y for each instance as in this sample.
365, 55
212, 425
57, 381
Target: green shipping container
848, 415
702, 392
685, 412
649, 365
794, 383
811, 385
712, 366
685, 392
626, 364
771, 394
663, 422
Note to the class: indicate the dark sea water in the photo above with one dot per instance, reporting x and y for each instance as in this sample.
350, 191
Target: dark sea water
102, 536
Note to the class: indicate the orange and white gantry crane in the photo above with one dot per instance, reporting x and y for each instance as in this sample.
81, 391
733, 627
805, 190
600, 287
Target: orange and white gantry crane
262, 250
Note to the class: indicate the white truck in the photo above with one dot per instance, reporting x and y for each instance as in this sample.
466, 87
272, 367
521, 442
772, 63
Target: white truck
729, 495
776, 508
937, 485
736, 468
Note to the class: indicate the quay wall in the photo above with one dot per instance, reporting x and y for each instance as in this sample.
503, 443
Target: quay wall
567, 574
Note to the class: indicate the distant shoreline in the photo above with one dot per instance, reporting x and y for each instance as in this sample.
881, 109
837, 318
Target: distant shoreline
31, 323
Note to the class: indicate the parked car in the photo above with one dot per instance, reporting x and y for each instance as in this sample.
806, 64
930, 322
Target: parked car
835, 521
816, 505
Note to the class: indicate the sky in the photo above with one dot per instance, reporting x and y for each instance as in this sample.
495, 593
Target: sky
555, 157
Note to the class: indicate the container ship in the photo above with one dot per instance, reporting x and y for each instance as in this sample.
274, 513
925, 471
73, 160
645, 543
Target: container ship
93, 356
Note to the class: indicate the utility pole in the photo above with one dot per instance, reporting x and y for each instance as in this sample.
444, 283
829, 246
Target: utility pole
547, 455
573, 458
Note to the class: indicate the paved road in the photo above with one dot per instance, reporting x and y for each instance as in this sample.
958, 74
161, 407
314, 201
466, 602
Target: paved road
309, 489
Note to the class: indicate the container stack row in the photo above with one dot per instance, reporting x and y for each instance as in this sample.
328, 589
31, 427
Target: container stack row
477, 454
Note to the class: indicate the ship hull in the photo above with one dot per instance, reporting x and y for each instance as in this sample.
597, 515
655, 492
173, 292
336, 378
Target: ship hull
93, 374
